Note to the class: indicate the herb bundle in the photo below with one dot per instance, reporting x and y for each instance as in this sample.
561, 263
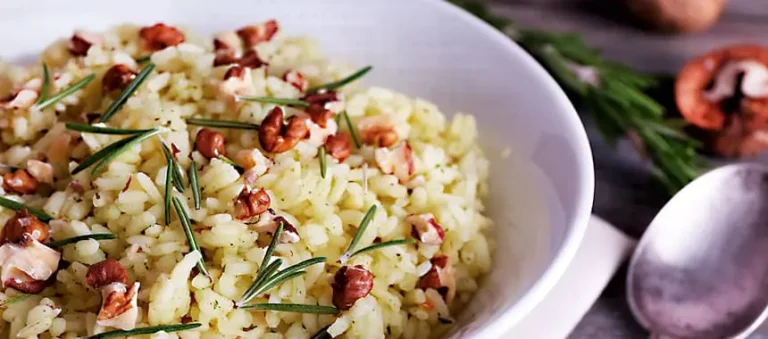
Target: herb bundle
615, 95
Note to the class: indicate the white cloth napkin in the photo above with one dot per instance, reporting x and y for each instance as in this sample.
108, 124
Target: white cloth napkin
602, 251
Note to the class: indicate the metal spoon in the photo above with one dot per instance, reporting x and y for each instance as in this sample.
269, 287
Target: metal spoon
701, 269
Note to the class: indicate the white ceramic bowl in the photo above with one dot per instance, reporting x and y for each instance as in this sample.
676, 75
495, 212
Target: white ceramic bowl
541, 195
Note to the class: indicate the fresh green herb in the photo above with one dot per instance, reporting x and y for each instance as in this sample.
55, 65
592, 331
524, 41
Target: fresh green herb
230, 162
296, 308
127, 92
65, 93
381, 245
261, 276
360, 231
103, 130
177, 175
323, 164
146, 330
322, 334
16, 206
15, 299
337, 84
46, 85
351, 129
186, 223
194, 184
222, 124
143, 59
168, 194
109, 153
276, 101
96, 236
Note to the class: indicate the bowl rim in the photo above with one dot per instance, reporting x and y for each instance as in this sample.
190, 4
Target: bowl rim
515, 312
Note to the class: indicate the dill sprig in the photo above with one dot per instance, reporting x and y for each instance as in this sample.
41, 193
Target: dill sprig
65, 92
83, 128
186, 224
351, 129
615, 95
276, 101
146, 330
359, 234
109, 153
222, 124
295, 308
46, 87
382, 245
17, 206
337, 84
127, 92
194, 184
95, 236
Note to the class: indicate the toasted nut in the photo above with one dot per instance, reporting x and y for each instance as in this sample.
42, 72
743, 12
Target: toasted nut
27, 266
119, 306
236, 81
296, 79
319, 114
24, 98
26, 284
236, 71
23, 227
106, 272
209, 143
160, 36
224, 57
251, 59
41, 171
425, 228
440, 277
226, 41
254, 163
20, 181
290, 234
338, 146
351, 284
258, 33
250, 203
267, 223
378, 131
398, 161
117, 77
275, 137
321, 98
81, 42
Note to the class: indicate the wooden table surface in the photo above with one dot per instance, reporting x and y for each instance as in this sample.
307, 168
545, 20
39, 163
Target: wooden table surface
621, 194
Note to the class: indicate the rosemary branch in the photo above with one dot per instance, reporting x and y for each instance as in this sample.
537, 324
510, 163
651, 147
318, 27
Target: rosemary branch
359, 234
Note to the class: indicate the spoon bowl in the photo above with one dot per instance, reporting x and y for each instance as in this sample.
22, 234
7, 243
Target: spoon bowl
700, 269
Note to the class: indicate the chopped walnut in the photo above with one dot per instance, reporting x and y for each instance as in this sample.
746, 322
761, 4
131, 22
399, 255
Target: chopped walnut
41, 171
339, 146
440, 277
268, 224
262, 32
106, 272
251, 59
398, 161
209, 143
296, 79
237, 81
23, 228
25, 262
117, 77
378, 130
81, 42
276, 137
20, 181
321, 98
160, 36
250, 203
350, 284
118, 307
319, 114
226, 46
425, 228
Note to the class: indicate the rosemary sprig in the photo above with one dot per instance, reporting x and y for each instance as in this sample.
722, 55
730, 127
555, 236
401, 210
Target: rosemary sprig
296, 308
168, 194
382, 245
186, 223
615, 95
176, 172
146, 330
322, 333
351, 129
16, 206
127, 92
109, 153
222, 124
46, 87
276, 101
336, 84
65, 92
261, 276
84, 128
359, 234
95, 236
194, 184
323, 164
143, 59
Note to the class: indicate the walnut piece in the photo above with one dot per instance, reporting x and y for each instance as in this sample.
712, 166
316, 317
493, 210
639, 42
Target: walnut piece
378, 130
250, 203
425, 228
339, 146
398, 161
440, 277
20, 181
258, 33
119, 307
276, 137
81, 42
296, 79
160, 36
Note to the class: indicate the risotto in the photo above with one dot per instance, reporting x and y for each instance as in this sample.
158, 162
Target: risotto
157, 184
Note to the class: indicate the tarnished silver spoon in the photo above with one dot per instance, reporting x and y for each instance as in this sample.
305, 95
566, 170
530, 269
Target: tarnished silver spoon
701, 268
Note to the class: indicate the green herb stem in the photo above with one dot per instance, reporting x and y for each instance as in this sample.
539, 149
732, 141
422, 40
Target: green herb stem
128, 144
296, 308
143, 59
337, 84
103, 130
95, 236
127, 92
276, 101
17, 206
223, 124
351, 129
146, 330
168, 194
46, 87
359, 234
66, 92
176, 173
187, 226
323, 164
194, 184
382, 245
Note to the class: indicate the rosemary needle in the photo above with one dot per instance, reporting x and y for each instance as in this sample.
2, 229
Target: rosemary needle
381, 245
359, 234
146, 330
187, 225
337, 84
222, 124
103, 130
177, 175
265, 263
194, 184
46, 87
168, 194
351, 129
296, 308
65, 93
323, 164
95, 236
16, 206
276, 101
128, 144
127, 92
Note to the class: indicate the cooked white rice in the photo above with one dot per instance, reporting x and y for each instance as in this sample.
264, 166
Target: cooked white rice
450, 165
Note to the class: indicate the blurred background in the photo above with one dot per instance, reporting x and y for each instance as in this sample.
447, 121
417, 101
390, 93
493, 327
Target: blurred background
654, 36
